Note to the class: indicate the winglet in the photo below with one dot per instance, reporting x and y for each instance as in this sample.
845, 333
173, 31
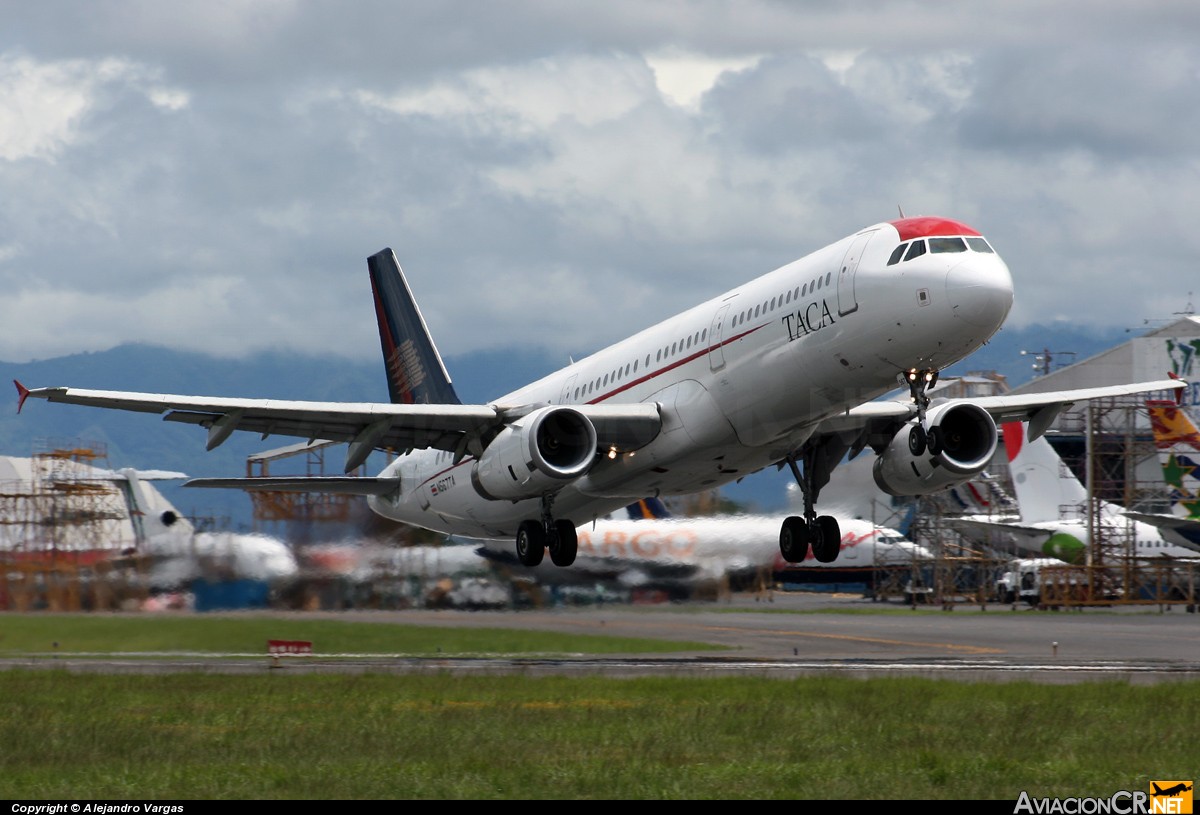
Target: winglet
22, 394
1178, 391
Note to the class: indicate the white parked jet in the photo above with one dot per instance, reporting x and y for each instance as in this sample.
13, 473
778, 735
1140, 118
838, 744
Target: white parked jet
652, 548
1054, 508
1178, 443
780, 370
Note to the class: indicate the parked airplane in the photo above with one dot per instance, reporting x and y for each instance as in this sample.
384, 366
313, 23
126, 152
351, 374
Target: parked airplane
168, 543
1178, 443
653, 548
178, 554
780, 370
1054, 508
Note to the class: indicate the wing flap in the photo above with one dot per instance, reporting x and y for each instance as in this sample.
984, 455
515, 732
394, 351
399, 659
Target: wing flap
407, 426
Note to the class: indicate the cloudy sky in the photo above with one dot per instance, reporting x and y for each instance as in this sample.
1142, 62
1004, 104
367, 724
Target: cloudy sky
212, 176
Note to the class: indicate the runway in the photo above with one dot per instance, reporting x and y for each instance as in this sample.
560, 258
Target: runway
788, 636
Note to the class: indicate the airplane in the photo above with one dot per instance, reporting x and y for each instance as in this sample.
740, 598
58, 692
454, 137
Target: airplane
178, 554
1178, 444
1170, 791
150, 529
653, 548
783, 370
1053, 505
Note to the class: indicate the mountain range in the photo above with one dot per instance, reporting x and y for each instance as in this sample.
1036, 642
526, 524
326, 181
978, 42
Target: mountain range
144, 441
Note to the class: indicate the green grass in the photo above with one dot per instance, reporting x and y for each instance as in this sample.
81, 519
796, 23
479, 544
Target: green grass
440, 736
107, 634
437, 736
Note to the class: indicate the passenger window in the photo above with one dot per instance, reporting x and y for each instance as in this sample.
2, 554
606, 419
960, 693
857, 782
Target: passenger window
939, 245
897, 254
980, 245
915, 250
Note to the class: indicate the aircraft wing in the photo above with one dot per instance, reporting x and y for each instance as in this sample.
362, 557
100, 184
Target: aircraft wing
1038, 409
337, 484
366, 426
1183, 532
1031, 536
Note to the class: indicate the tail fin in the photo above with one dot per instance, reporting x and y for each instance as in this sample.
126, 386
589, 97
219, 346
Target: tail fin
647, 508
415, 371
1046, 488
1178, 443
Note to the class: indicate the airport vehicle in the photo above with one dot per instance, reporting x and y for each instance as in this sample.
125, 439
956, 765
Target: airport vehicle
1054, 508
1021, 581
655, 549
779, 371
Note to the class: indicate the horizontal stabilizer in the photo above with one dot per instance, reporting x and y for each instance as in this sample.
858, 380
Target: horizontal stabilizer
340, 485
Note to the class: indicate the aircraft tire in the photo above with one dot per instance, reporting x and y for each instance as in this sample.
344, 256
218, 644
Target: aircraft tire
916, 440
531, 543
793, 539
565, 545
935, 440
827, 542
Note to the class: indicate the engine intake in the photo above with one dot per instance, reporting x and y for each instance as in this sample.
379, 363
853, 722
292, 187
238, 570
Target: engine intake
961, 441
535, 455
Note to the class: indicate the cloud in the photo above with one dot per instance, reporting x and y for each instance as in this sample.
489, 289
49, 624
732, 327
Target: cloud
215, 176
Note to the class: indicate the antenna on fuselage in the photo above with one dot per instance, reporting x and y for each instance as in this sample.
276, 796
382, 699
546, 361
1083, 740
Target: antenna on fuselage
901, 210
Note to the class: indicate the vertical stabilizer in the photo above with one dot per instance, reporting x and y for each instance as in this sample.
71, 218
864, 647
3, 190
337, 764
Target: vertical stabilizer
1046, 488
415, 371
1178, 443
156, 524
647, 508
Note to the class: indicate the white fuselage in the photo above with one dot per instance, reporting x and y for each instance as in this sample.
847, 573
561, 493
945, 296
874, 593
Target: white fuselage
698, 549
741, 379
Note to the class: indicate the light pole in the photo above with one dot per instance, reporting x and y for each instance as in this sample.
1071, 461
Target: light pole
1043, 361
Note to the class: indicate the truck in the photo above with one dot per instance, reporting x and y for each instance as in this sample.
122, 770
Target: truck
1021, 580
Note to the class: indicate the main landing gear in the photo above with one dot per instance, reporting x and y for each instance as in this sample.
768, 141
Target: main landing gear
822, 533
535, 537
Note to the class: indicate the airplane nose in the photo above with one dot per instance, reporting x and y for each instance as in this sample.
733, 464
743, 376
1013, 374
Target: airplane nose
980, 291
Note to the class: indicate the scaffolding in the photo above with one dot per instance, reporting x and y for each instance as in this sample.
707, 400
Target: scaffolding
298, 511
65, 538
1110, 448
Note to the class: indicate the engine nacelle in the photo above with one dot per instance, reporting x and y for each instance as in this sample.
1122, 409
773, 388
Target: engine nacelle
962, 440
536, 454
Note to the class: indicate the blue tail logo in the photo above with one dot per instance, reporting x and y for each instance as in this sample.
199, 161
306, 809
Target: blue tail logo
647, 508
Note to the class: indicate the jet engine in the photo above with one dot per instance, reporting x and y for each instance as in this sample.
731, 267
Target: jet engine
960, 441
536, 454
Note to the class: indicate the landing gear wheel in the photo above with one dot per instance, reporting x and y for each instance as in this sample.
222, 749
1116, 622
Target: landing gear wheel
916, 440
793, 539
936, 440
565, 545
531, 543
827, 539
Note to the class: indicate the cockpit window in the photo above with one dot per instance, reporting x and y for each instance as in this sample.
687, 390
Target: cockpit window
915, 250
918, 247
947, 245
